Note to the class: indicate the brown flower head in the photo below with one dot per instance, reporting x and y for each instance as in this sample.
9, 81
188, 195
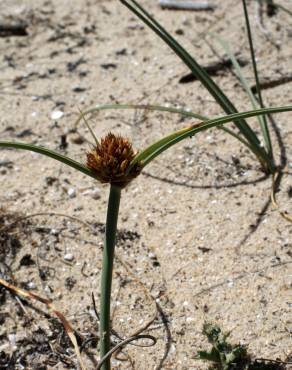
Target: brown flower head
110, 160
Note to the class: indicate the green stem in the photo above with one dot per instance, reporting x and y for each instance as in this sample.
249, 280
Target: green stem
107, 271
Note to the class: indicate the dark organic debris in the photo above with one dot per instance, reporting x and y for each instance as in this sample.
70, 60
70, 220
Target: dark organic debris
70, 282
35, 351
214, 68
26, 260
271, 8
122, 51
72, 66
9, 59
50, 180
13, 29
108, 65
127, 235
272, 82
123, 235
9, 244
79, 89
24, 133
266, 365
63, 142
204, 249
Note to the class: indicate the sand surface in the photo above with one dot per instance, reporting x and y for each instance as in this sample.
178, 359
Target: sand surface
198, 237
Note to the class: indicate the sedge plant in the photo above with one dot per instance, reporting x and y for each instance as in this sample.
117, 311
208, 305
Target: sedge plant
113, 160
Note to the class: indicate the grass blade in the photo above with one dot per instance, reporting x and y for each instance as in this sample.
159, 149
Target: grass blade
238, 70
160, 146
196, 69
49, 153
139, 106
160, 108
82, 116
239, 73
264, 124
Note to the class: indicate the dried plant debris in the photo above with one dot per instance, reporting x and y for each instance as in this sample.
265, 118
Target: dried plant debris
11, 225
123, 235
39, 341
9, 228
40, 350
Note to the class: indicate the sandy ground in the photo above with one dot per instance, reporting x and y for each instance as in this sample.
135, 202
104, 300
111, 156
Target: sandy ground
198, 238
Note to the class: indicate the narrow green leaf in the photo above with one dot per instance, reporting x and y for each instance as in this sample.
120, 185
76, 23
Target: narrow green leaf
196, 69
212, 355
264, 124
49, 153
241, 77
160, 146
150, 107
160, 108
238, 70
82, 116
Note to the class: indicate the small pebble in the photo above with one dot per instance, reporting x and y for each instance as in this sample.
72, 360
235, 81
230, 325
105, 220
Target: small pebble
12, 339
93, 193
77, 139
69, 257
31, 285
230, 283
71, 192
172, 348
6, 163
57, 114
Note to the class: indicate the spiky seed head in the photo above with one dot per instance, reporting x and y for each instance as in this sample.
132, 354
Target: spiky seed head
110, 160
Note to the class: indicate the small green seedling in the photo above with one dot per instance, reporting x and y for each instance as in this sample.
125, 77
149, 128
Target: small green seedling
225, 356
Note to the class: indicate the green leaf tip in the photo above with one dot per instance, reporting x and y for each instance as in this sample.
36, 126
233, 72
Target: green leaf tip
50, 153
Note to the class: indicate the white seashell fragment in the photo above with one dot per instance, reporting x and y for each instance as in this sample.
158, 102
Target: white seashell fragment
69, 257
57, 114
71, 192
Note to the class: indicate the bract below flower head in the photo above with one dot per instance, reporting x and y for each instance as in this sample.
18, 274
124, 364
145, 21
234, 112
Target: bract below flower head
110, 160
